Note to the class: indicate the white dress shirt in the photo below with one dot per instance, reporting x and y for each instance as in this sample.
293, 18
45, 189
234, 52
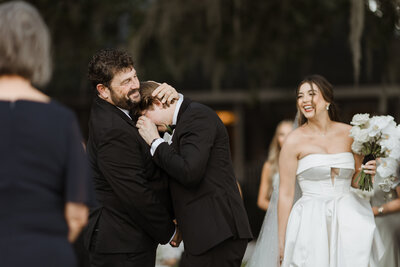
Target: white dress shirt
167, 137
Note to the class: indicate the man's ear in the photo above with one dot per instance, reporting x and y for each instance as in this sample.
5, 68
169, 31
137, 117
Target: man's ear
103, 91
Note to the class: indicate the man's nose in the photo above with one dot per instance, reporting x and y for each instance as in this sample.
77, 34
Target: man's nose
136, 83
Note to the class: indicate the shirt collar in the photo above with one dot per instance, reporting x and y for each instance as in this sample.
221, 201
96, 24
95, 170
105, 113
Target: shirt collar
125, 111
177, 107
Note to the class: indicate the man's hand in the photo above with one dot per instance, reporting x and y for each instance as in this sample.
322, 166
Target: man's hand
175, 242
166, 93
147, 129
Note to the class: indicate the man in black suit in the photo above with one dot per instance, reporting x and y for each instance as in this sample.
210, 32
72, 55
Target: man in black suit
134, 214
205, 196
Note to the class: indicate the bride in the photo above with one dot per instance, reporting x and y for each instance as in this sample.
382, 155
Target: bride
328, 226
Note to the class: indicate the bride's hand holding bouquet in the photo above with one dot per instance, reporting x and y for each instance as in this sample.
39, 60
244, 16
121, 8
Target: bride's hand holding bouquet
376, 137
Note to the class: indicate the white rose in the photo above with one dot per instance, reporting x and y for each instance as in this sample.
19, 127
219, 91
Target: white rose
355, 130
356, 147
363, 136
360, 119
386, 185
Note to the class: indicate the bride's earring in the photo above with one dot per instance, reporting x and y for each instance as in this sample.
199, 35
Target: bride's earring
327, 107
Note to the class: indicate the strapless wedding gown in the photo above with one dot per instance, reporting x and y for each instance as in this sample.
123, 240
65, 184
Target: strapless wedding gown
329, 226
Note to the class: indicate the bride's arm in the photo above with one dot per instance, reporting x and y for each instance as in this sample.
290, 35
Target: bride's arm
358, 160
287, 172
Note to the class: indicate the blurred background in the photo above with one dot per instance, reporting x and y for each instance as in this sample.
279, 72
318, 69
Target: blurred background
242, 58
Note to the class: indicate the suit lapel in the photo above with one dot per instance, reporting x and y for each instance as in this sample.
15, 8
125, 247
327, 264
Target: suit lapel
186, 102
104, 104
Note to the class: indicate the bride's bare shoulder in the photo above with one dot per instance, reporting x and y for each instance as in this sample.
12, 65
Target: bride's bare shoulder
294, 137
342, 127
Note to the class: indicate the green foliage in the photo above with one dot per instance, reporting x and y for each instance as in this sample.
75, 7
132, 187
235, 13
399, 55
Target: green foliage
373, 150
218, 43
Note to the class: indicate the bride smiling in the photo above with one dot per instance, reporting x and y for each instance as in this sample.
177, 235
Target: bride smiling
328, 226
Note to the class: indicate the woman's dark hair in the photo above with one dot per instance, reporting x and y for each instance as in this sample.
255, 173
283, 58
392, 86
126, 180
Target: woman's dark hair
326, 90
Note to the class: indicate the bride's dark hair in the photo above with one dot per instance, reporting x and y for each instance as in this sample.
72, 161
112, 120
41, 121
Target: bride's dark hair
326, 90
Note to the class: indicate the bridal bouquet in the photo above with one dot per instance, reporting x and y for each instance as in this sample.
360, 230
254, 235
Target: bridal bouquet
376, 137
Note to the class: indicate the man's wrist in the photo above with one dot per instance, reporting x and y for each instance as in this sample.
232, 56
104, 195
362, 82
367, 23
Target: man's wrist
154, 145
152, 142
172, 238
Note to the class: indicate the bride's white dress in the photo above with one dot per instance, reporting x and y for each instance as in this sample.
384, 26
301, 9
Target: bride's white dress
329, 226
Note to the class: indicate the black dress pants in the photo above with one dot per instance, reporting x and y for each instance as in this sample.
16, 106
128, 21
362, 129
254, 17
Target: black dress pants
145, 258
226, 254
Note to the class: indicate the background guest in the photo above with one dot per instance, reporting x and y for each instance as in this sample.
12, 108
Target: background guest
386, 207
270, 168
266, 251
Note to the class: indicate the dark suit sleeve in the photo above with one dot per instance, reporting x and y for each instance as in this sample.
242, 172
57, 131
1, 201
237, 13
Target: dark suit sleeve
195, 141
121, 161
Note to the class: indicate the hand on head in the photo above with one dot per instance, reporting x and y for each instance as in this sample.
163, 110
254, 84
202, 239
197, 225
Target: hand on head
166, 93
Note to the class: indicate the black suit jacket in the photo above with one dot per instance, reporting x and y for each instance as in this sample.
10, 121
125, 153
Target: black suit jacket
134, 213
205, 196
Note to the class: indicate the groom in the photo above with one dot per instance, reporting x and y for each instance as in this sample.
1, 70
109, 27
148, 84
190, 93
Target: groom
206, 200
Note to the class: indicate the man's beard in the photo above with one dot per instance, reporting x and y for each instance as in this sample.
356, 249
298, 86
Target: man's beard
122, 102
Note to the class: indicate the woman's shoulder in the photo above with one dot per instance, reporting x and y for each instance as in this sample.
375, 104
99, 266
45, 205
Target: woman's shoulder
341, 127
267, 165
295, 135
294, 139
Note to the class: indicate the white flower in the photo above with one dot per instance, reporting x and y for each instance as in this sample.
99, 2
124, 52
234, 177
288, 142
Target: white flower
389, 146
354, 131
356, 147
363, 136
391, 131
359, 135
386, 185
378, 123
390, 141
387, 167
394, 153
362, 193
360, 119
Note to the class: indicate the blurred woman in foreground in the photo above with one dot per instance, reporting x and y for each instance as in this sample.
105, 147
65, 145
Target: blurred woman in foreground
44, 177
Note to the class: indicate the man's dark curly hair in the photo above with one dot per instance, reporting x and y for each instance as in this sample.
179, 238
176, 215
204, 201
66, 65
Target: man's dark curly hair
105, 64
